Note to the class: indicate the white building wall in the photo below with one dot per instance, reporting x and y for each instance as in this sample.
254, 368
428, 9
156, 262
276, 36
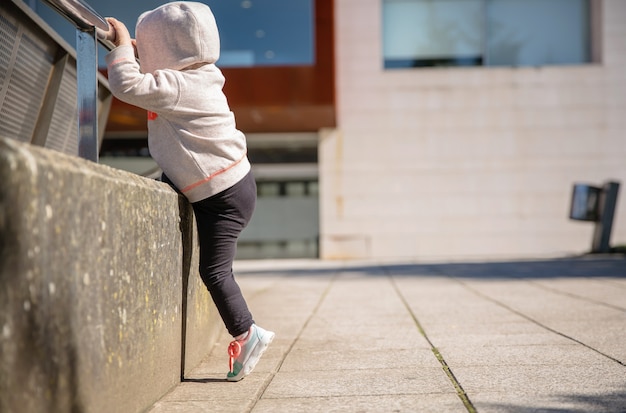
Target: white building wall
467, 163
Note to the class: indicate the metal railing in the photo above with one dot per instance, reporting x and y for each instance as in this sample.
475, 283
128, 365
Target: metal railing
81, 14
86, 20
39, 82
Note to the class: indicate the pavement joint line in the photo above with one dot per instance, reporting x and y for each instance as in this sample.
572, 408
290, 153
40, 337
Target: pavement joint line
578, 297
538, 323
275, 371
444, 365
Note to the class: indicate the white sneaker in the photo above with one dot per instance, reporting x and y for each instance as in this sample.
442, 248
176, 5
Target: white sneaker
245, 354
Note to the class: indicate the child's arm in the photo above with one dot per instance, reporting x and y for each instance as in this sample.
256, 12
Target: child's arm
125, 78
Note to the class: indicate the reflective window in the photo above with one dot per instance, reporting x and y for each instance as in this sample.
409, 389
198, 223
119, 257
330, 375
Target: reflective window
265, 32
252, 32
418, 33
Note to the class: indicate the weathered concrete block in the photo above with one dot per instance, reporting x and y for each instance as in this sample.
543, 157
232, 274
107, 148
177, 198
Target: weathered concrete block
97, 270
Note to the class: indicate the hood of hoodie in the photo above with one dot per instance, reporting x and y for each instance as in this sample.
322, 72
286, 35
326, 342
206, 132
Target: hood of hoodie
177, 35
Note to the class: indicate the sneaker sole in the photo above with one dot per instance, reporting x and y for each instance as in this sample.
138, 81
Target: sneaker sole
255, 356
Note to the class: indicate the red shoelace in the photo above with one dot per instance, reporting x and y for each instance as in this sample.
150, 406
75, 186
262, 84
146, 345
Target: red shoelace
234, 350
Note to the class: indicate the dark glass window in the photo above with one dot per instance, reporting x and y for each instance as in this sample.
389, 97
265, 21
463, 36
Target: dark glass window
265, 32
421, 33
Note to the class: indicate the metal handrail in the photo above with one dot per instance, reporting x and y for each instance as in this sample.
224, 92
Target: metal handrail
81, 14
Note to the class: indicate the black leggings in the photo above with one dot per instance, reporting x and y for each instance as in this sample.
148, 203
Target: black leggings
220, 219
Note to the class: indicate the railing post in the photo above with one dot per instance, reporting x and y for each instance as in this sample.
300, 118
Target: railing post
86, 74
85, 19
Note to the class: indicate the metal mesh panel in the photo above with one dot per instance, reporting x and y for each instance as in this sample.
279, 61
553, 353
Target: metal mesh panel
38, 88
8, 44
24, 84
63, 132
8, 33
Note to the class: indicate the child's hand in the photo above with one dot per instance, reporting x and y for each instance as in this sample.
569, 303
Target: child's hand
117, 33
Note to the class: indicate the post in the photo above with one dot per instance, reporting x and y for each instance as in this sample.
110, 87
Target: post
85, 19
606, 209
86, 74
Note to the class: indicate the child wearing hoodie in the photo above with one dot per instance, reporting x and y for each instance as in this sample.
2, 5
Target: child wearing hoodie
193, 138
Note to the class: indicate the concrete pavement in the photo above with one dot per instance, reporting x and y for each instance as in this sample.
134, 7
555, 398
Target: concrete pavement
529, 336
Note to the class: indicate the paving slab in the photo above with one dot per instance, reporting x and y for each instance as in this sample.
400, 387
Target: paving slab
531, 336
363, 404
552, 403
358, 382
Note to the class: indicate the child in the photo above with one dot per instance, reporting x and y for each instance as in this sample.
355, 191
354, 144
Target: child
193, 137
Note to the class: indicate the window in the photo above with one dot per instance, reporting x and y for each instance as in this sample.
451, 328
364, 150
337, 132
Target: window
252, 32
425, 33
264, 32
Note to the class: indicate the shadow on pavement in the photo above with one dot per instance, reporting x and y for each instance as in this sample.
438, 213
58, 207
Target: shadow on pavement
612, 266
614, 402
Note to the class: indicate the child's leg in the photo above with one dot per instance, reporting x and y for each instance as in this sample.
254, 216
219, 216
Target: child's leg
220, 220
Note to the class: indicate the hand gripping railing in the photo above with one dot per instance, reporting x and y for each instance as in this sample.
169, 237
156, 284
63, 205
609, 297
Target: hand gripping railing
86, 20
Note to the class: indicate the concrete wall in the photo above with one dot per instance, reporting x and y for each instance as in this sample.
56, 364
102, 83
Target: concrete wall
467, 162
100, 303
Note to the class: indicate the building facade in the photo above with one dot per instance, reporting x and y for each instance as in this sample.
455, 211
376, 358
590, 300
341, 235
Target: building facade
468, 162
416, 129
